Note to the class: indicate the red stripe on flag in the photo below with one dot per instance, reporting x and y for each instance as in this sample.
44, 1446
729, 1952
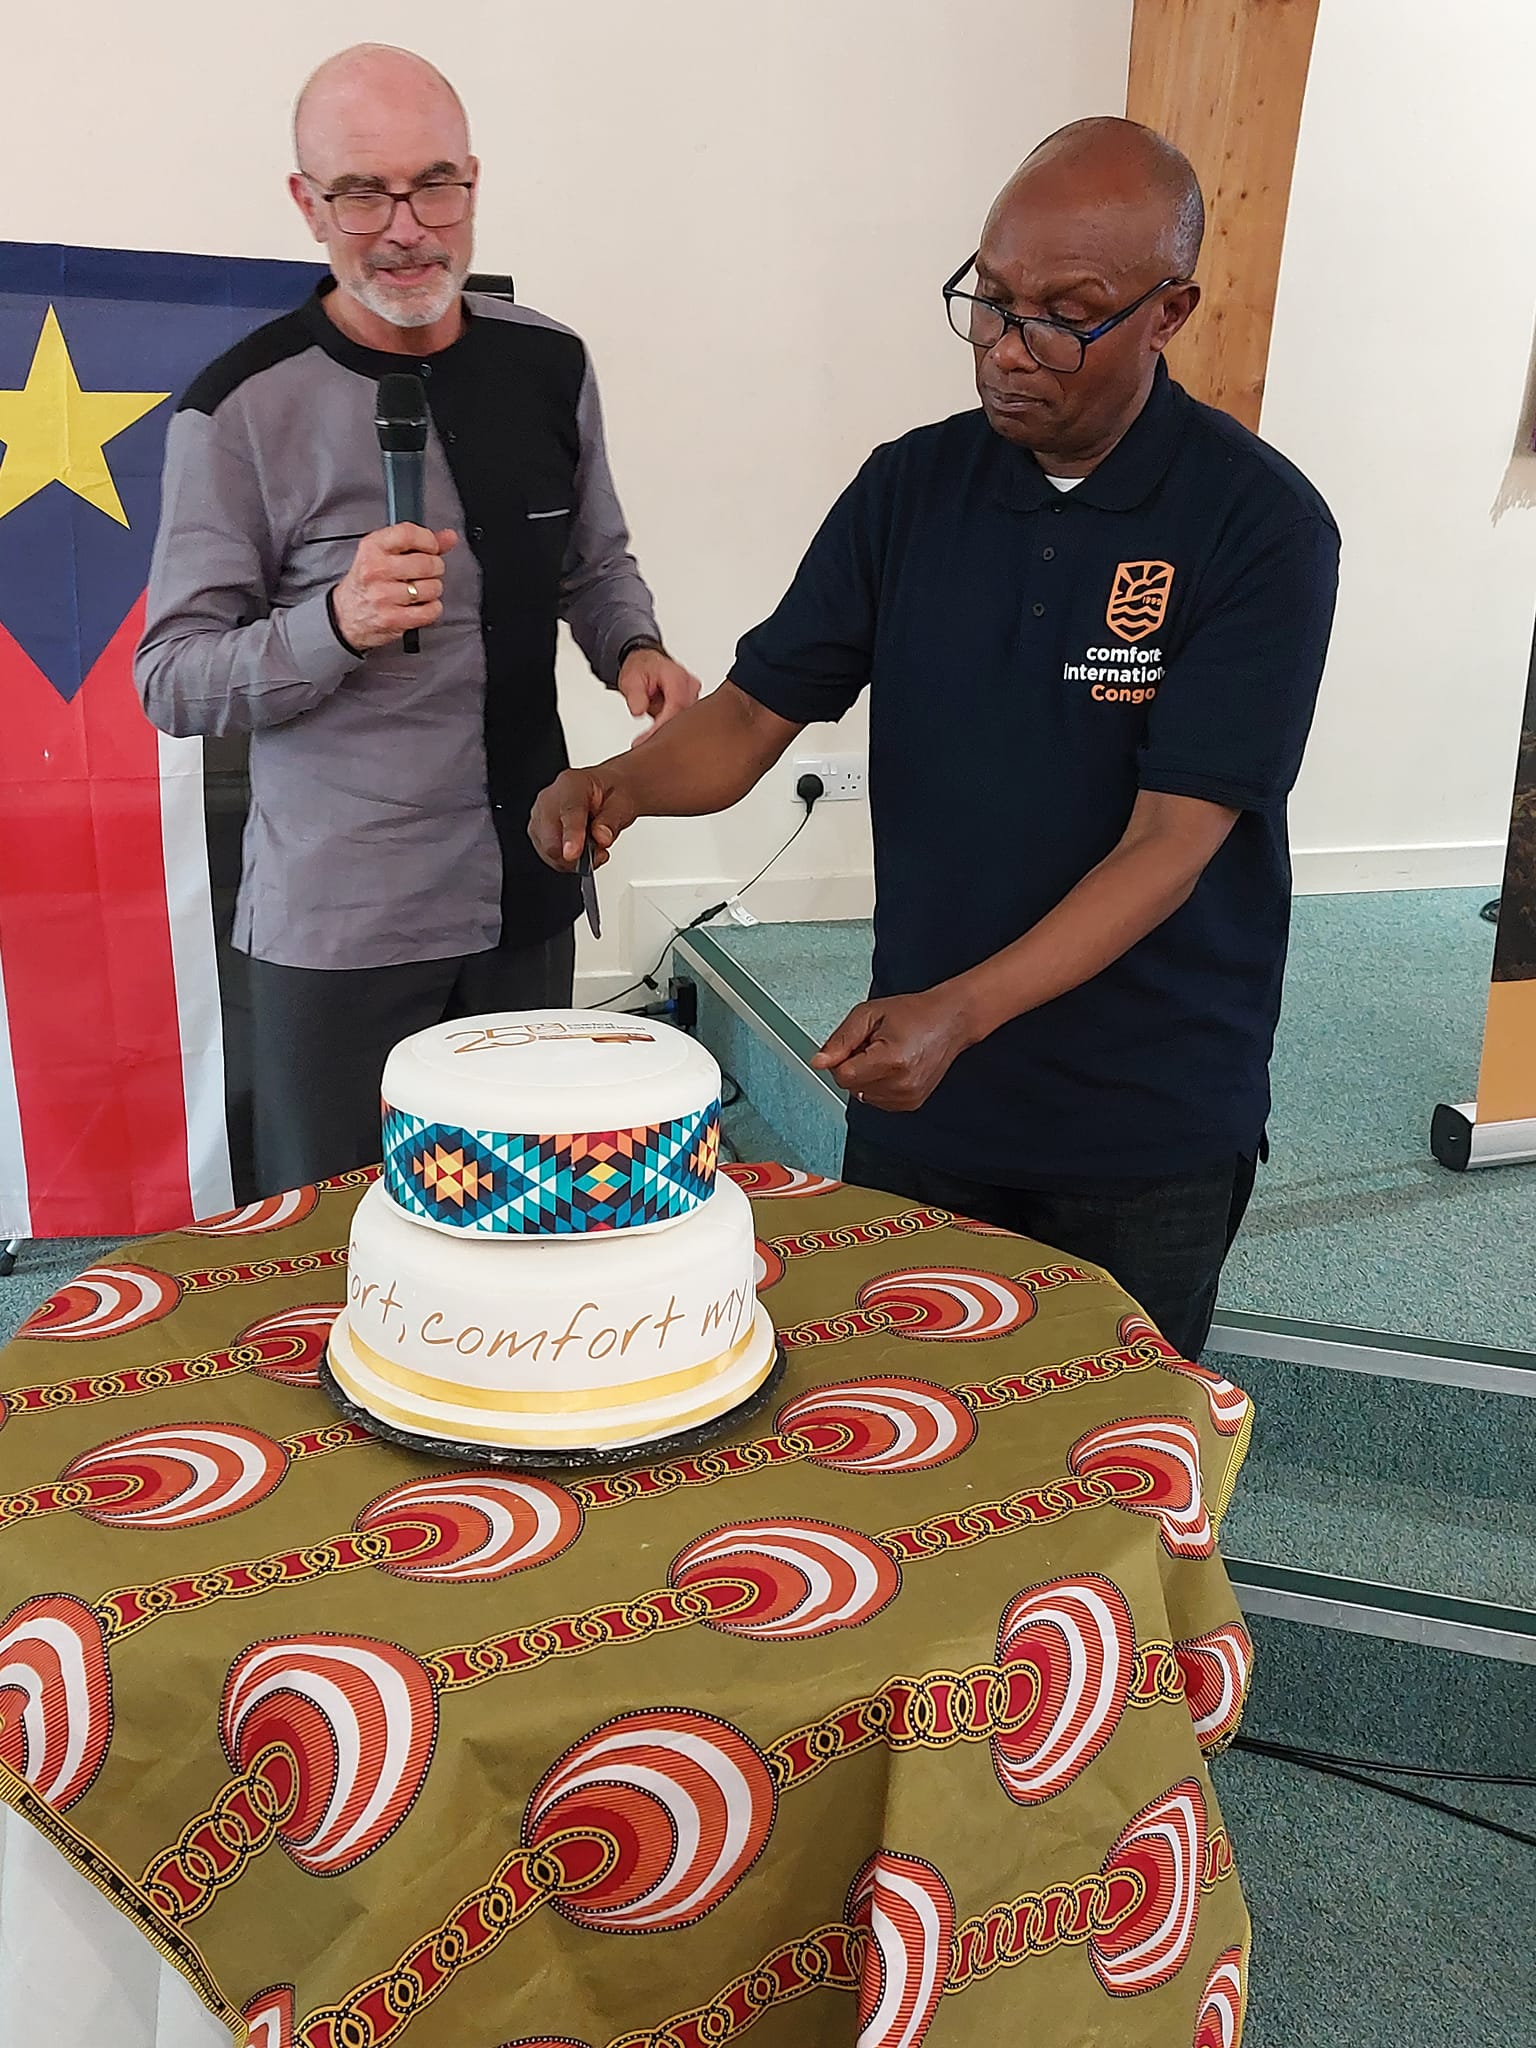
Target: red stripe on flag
86, 944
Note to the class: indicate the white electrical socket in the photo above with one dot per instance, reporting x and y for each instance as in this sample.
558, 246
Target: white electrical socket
843, 774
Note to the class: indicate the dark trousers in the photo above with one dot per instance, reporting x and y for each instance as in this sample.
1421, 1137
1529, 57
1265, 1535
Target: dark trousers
320, 1037
1164, 1241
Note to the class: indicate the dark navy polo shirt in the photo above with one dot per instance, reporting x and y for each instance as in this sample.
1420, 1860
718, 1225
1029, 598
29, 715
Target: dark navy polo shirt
1035, 658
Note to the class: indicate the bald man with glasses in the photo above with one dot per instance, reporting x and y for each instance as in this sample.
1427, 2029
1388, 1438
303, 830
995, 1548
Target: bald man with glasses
387, 878
1091, 616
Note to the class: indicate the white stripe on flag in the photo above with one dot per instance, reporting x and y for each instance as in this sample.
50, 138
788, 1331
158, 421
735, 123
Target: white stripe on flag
189, 896
15, 1213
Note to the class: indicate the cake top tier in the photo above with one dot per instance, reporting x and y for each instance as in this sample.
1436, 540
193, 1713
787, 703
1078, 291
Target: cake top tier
550, 1073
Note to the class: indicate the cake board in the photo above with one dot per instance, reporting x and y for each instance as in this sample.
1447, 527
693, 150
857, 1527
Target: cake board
657, 1450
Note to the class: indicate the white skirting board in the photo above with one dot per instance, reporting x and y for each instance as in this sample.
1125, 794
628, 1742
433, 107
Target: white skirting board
1318, 871
1348, 870
651, 910
776, 899
645, 916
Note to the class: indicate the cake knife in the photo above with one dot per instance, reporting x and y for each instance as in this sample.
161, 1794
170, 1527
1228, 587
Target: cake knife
589, 889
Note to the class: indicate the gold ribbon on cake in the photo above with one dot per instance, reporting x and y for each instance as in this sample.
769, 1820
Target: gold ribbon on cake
630, 1394
573, 1401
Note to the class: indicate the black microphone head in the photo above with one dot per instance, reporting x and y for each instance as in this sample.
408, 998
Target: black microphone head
400, 414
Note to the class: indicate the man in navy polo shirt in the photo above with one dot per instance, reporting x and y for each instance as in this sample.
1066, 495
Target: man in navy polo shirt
1092, 618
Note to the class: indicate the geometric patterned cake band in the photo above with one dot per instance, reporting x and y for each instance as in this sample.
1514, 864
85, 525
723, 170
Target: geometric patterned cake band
502, 1184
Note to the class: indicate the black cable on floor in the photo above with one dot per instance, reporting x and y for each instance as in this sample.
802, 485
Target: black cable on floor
1297, 1753
1490, 911
1309, 1762
714, 910
649, 980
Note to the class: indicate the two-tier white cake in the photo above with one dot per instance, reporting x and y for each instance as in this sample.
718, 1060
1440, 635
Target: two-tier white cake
550, 1262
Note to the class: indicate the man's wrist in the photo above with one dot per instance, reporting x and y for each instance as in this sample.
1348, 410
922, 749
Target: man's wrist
330, 613
638, 643
974, 1006
614, 778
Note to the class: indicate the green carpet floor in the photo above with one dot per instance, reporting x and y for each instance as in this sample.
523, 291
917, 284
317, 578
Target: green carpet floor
1376, 1924
1352, 1222
40, 1269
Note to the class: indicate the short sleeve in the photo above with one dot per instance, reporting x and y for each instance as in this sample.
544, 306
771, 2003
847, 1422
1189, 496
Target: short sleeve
811, 658
1232, 715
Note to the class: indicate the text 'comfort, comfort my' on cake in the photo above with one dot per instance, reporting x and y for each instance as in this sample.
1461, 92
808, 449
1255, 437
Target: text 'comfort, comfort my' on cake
550, 1264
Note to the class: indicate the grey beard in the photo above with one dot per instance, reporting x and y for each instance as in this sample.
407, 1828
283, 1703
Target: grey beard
429, 304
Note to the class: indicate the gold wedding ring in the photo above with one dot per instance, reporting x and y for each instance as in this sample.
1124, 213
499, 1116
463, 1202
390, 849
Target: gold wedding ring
413, 593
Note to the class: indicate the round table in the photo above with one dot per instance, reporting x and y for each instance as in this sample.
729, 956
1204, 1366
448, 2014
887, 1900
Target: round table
883, 1719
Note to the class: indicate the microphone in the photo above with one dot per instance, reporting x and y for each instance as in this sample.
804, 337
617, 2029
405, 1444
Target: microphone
400, 418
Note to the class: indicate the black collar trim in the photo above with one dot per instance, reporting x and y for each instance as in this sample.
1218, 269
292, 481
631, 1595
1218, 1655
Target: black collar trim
371, 362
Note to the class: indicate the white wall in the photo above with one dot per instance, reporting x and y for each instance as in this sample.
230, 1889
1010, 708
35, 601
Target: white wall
1397, 379
747, 211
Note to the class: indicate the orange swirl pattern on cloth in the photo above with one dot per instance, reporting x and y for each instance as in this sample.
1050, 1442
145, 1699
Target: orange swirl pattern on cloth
999, 1514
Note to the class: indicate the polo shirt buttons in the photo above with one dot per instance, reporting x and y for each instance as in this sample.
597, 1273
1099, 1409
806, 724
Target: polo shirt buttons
1039, 611
426, 369
477, 533
1046, 554
450, 437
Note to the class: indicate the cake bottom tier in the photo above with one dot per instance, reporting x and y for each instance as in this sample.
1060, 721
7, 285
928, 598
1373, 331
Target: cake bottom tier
400, 1398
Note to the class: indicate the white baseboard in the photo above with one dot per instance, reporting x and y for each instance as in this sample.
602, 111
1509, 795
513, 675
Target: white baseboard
596, 988
1319, 871
1348, 870
777, 899
653, 910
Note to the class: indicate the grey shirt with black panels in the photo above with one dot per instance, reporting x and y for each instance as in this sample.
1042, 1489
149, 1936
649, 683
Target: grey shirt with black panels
389, 792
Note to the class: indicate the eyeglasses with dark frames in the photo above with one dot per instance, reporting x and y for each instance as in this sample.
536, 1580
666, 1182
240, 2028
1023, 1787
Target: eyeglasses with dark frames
440, 203
1052, 343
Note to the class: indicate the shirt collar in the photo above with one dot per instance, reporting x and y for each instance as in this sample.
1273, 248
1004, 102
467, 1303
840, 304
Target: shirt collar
1129, 473
368, 362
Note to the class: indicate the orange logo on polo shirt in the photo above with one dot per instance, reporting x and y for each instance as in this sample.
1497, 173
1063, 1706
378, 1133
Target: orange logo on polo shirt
1138, 599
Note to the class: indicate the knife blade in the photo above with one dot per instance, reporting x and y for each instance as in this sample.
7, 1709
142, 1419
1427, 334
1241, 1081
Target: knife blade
589, 890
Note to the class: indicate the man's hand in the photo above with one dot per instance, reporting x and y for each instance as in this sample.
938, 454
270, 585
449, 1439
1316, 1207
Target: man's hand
373, 603
893, 1053
708, 757
656, 687
579, 804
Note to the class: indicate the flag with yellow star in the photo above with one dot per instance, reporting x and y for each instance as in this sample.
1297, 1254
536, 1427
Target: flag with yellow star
112, 1112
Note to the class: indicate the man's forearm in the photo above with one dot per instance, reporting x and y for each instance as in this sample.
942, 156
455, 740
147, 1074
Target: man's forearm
208, 679
1147, 877
603, 597
606, 604
703, 760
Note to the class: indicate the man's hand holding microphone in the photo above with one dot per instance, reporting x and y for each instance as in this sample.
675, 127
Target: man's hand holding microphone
394, 585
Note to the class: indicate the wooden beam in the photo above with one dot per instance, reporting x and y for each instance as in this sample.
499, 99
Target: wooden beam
1224, 79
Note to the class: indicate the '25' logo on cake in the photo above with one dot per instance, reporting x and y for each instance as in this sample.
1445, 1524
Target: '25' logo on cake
1138, 599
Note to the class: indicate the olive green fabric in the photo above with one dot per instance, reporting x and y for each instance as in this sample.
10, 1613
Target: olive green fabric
764, 1739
